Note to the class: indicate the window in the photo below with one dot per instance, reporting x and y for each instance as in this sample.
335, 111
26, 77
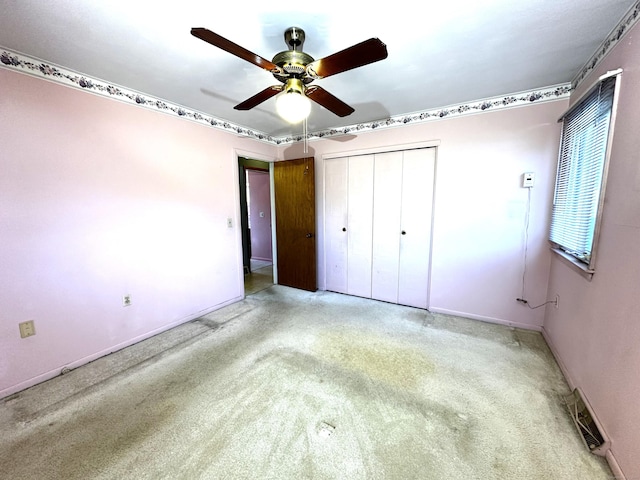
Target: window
581, 175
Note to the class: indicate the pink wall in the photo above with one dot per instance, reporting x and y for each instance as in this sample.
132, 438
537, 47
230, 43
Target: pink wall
99, 199
595, 333
260, 225
480, 207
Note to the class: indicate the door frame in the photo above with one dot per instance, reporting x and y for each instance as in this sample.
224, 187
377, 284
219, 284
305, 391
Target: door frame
239, 153
244, 166
382, 149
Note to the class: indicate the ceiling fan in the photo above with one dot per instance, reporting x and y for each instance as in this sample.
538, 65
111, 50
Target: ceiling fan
296, 69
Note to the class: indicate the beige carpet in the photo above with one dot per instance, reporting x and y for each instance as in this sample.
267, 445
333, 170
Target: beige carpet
296, 385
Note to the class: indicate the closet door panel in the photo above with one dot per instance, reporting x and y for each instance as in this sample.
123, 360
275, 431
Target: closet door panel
360, 225
418, 169
336, 191
386, 226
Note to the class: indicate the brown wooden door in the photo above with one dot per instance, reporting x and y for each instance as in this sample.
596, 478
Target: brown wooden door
294, 188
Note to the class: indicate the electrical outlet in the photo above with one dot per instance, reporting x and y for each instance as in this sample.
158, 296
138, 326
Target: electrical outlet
27, 329
126, 300
557, 301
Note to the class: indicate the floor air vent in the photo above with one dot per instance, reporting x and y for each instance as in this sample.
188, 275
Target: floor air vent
590, 431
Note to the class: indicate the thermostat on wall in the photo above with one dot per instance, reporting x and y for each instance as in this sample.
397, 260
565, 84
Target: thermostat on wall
527, 179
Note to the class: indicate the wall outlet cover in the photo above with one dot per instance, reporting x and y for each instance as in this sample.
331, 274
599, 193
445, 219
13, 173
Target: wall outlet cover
27, 329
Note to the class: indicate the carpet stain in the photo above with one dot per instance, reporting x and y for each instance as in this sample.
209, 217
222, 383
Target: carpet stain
378, 358
139, 429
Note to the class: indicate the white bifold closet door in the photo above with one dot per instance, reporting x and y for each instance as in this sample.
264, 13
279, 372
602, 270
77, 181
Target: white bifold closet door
403, 204
348, 224
360, 224
378, 211
336, 178
418, 176
387, 202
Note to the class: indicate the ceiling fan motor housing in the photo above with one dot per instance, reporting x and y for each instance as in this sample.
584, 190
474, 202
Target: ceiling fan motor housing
294, 60
293, 63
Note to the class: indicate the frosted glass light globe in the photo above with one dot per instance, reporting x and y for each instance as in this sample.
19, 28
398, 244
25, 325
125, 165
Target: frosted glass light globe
293, 107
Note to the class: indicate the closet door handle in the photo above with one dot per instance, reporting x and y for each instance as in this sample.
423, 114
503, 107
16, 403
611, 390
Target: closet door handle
344, 229
309, 235
403, 232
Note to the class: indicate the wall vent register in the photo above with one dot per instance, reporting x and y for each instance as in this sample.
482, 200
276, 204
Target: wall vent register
590, 431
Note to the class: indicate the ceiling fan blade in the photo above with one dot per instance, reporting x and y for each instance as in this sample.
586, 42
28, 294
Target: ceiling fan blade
234, 49
363, 53
259, 97
328, 101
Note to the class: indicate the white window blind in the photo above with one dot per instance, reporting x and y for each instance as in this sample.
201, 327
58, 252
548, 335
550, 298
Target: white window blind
581, 165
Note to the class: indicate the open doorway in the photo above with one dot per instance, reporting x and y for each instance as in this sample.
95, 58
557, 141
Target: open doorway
255, 210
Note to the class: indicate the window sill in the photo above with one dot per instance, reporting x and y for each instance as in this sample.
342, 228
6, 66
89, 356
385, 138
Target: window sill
577, 265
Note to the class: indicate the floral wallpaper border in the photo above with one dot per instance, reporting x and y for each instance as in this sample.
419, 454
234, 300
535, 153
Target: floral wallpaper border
495, 103
628, 21
17, 61
25, 64
20, 62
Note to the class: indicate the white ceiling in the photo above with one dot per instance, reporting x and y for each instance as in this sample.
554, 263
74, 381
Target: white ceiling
440, 53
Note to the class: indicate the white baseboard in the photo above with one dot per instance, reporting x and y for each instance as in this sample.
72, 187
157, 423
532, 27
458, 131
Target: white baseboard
83, 361
483, 318
615, 468
558, 358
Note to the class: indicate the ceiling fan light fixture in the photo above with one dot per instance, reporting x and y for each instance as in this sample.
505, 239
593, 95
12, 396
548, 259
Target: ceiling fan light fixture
292, 104
296, 69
